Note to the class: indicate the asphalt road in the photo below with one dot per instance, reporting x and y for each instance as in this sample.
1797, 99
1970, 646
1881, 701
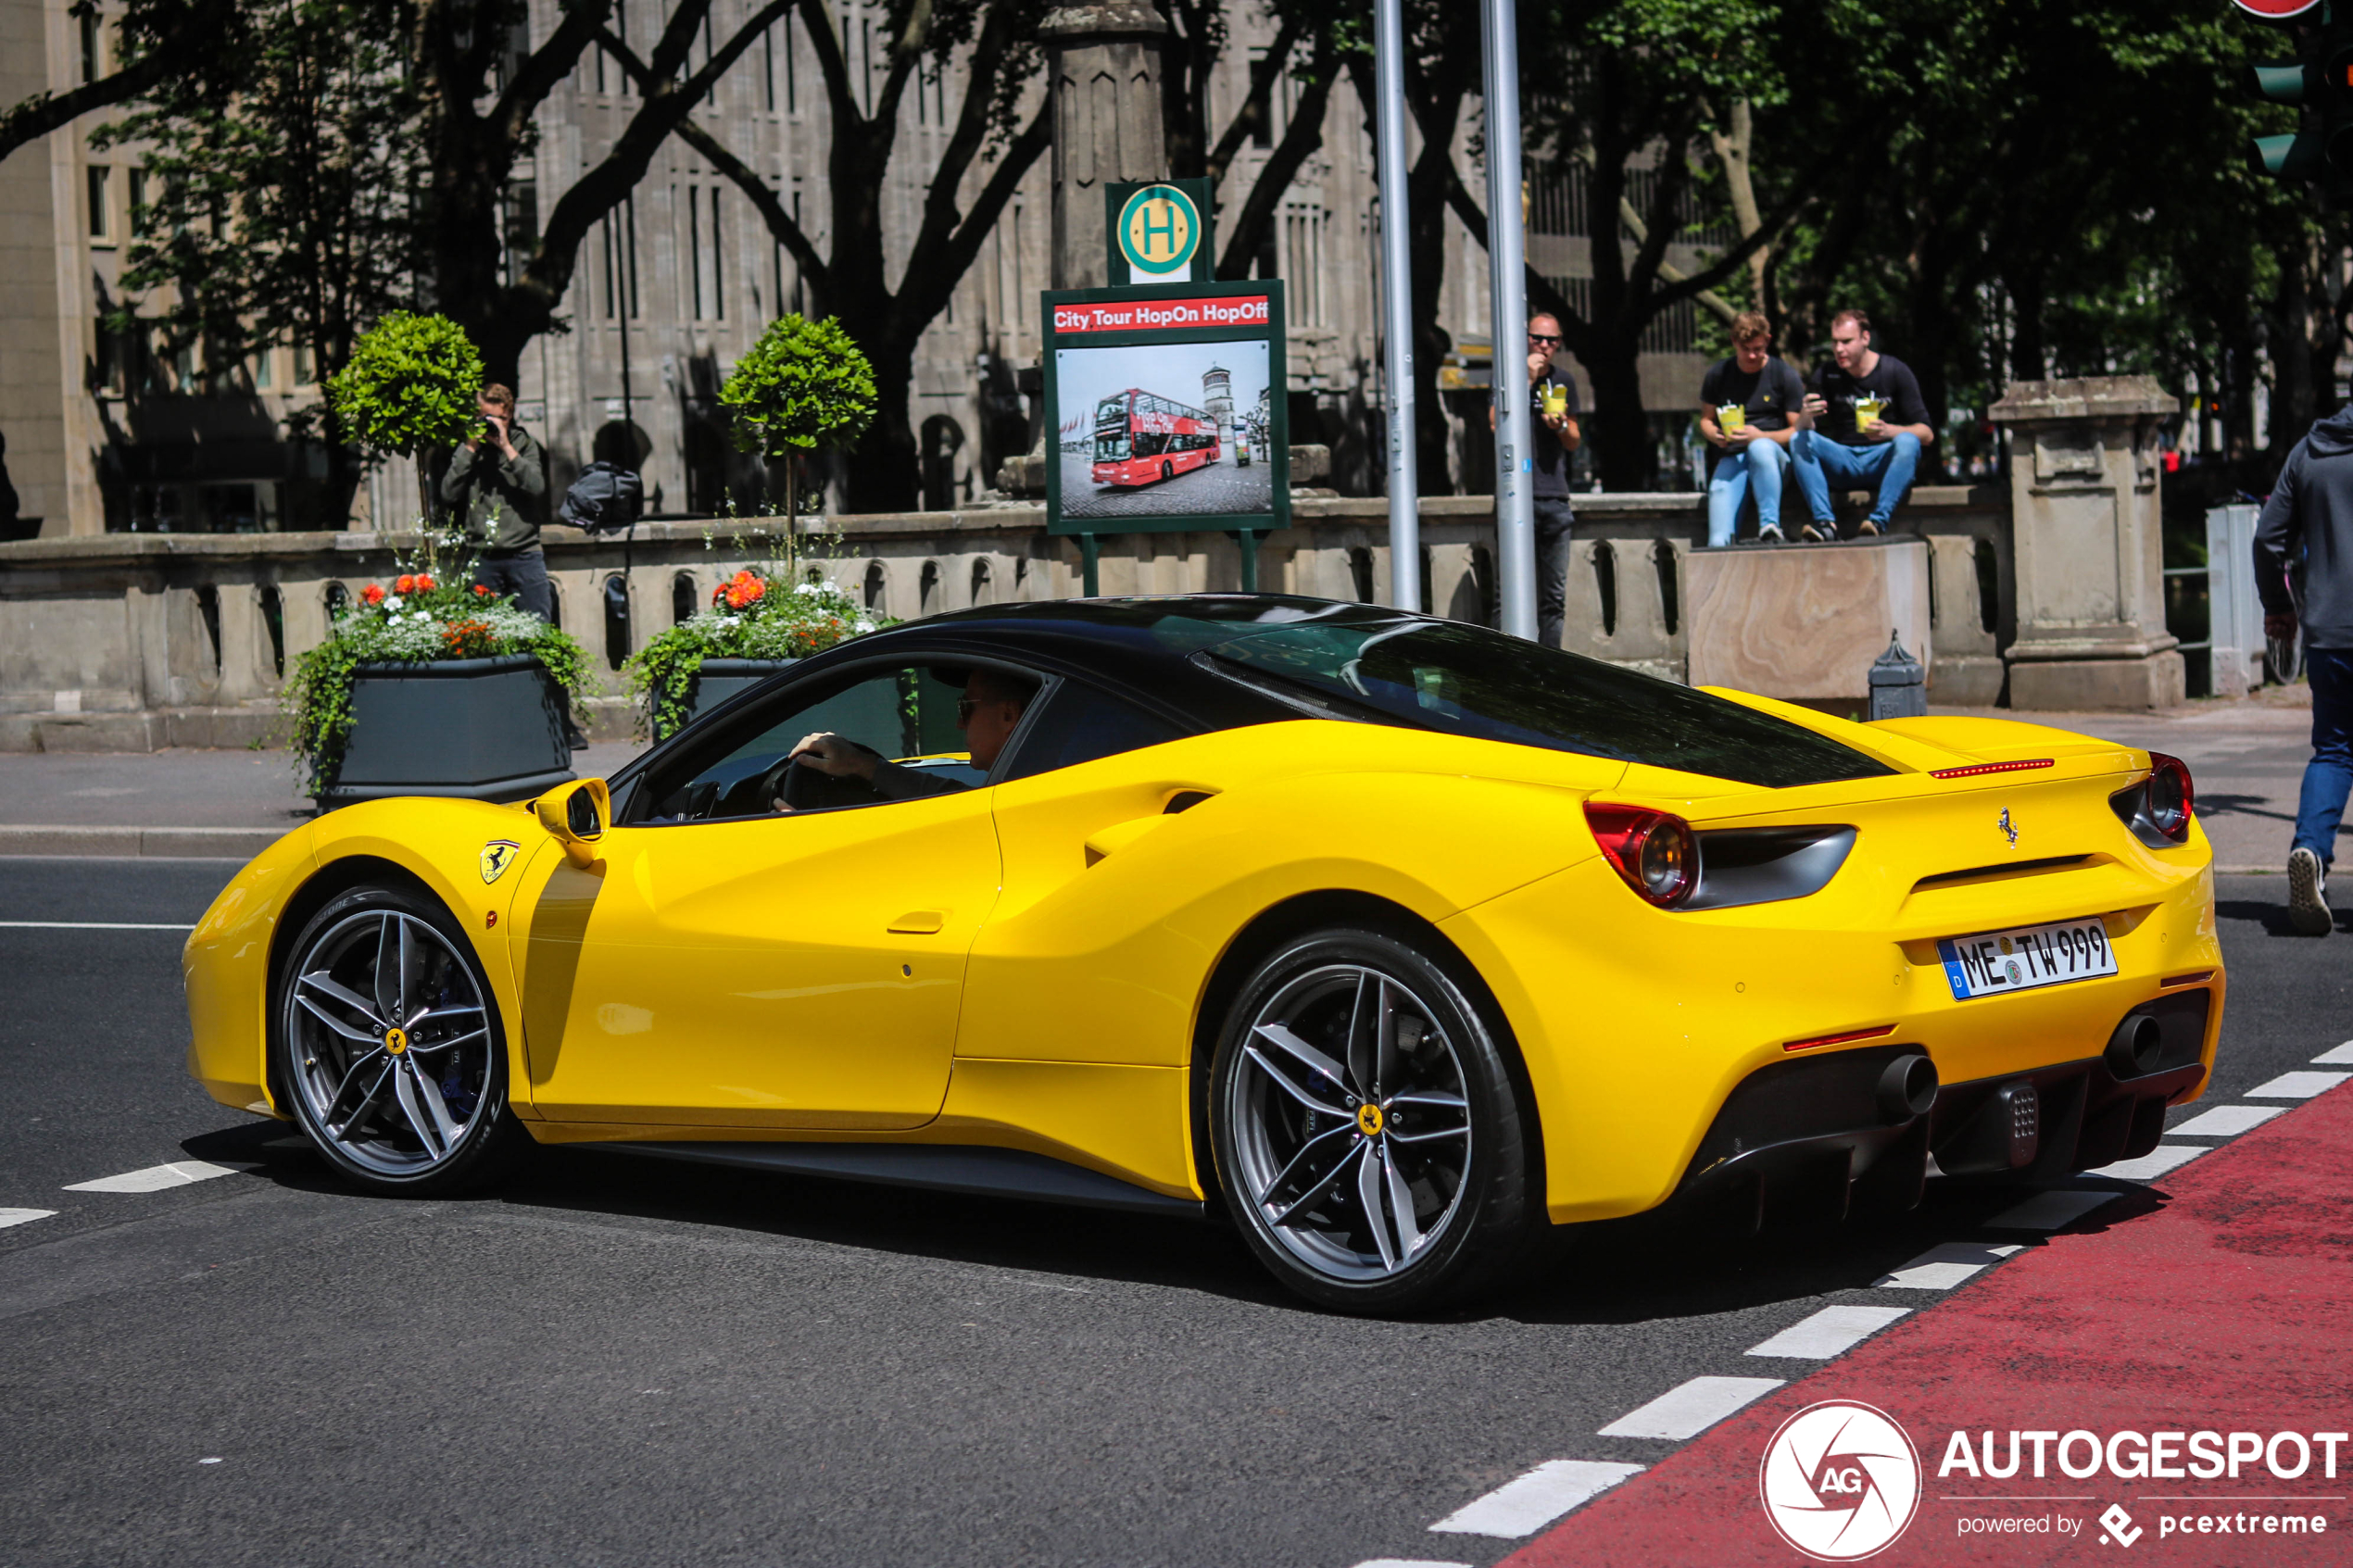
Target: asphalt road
1223, 487
615, 1360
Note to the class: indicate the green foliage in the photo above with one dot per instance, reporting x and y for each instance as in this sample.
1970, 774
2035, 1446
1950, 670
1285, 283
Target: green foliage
753, 615
421, 619
804, 384
411, 385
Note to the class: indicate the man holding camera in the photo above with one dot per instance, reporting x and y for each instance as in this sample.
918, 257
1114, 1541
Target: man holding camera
498, 484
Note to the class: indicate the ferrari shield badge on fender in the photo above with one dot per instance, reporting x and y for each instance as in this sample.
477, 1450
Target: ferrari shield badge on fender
497, 856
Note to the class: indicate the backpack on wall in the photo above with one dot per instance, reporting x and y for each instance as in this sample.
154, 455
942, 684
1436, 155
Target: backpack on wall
606, 499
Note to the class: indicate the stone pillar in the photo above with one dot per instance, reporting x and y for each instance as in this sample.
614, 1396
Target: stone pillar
1106, 71
2089, 556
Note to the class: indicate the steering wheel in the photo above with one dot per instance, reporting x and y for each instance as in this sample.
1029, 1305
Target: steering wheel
804, 788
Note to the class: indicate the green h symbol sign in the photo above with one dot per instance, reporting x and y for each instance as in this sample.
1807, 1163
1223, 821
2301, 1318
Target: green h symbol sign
1166, 227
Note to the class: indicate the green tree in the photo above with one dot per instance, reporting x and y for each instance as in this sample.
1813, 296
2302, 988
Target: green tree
155, 44
281, 215
410, 387
803, 386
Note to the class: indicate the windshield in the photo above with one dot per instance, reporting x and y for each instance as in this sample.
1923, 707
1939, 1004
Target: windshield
1465, 680
1112, 410
1110, 447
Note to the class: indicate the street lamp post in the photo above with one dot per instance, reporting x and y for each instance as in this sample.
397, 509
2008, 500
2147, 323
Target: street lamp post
1397, 307
1506, 270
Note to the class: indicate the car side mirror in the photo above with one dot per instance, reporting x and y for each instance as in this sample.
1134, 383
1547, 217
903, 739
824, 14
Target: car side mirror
577, 817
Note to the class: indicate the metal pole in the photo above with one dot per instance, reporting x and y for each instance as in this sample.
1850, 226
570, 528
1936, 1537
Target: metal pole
1506, 272
1397, 307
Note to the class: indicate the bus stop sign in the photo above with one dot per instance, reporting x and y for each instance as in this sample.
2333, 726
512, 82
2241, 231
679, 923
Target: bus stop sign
1159, 232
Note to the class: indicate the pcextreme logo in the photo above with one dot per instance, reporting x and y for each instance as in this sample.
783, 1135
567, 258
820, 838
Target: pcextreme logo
1840, 1481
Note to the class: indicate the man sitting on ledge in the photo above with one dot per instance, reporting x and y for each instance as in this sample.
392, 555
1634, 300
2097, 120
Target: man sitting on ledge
1864, 423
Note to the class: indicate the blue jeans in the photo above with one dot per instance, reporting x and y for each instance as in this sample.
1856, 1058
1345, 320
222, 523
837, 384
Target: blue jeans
1759, 466
2328, 778
1820, 459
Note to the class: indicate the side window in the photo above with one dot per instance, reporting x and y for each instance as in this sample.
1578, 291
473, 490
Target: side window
1081, 724
906, 716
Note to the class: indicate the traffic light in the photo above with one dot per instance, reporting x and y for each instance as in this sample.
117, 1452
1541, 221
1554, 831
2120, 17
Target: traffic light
2320, 80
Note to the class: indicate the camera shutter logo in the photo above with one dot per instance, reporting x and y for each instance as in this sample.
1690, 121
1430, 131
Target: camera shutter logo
1840, 1481
1159, 230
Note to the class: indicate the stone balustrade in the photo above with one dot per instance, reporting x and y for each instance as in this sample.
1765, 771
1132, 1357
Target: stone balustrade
133, 642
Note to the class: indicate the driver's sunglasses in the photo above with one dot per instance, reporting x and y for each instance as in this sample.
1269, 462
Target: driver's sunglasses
966, 706
1538, 337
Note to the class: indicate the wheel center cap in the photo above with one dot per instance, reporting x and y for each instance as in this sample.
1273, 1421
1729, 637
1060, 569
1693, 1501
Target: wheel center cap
1369, 1120
396, 1041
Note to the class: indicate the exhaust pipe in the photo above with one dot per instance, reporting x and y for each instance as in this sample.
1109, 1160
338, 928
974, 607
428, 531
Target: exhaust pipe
1906, 1089
2136, 1047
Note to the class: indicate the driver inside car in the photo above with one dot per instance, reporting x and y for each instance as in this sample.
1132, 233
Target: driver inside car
992, 707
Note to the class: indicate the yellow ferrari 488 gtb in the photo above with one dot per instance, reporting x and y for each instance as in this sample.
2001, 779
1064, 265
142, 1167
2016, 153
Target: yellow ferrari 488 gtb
1391, 937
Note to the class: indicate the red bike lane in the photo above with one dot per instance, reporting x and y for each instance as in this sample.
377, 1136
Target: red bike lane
2218, 1302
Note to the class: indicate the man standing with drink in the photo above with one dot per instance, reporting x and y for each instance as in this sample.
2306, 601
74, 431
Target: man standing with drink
1864, 424
1552, 402
1746, 407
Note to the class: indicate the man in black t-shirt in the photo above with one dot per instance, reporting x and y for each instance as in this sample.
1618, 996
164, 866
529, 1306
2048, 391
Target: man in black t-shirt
1747, 405
1552, 434
1864, 424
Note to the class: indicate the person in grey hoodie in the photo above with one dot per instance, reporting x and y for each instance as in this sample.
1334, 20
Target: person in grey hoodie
499, 484
2307, 528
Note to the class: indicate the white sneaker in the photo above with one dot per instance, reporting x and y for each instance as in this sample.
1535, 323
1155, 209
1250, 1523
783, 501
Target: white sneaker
2308, 893
1771, 535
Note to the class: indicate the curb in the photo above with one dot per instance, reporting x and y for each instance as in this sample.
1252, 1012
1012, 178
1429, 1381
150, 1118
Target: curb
224, 844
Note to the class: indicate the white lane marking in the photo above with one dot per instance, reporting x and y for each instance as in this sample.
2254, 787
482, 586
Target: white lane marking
1692, 1409
2225, 1122
2050, 1211
1944, 1267
2336, 1055
155, 1178
1834, 1331
1407, 1563
22, 1216
1524, 1506
2298, 1086
2156, 1162
89, 926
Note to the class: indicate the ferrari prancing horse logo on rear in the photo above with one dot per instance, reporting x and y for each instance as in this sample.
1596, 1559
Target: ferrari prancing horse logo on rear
497, 856
2008, 826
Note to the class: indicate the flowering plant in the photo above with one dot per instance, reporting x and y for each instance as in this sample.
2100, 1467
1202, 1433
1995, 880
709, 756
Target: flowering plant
753, 614
418, 621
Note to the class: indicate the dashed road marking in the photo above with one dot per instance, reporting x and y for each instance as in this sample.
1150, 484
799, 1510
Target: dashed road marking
1526, 1505
22, 1216
2225, 1122
2298, 1086
156, 1178
2050, 1211
2156, 1162
89, 926
1407, 1563
2336, 1055
1944, 1267
1692, 1409
1834, 1331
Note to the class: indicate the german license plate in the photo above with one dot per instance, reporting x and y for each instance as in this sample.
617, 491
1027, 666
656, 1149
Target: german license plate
1994, 963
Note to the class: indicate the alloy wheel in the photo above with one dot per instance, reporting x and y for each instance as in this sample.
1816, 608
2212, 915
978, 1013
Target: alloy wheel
391, 1050
1352, 1129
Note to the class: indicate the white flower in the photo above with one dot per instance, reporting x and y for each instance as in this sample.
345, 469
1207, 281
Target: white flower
392, 603
422, 615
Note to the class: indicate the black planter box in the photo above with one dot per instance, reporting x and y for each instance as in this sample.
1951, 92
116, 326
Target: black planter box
475, 729
717, 680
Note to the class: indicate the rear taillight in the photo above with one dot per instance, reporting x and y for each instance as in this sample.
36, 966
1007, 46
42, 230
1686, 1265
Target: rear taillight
1653, 850
2160, 807
2172, 799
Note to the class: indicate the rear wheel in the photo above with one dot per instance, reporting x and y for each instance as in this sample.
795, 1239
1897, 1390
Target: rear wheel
390, 1052
1367, 1132
1167, 472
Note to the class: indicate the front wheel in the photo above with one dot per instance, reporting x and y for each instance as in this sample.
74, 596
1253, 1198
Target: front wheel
390, 1051
1167, 472
1367, 1135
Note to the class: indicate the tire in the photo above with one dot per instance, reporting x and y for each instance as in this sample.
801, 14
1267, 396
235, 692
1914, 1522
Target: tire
402, 1087
1167, 472
1313, 1171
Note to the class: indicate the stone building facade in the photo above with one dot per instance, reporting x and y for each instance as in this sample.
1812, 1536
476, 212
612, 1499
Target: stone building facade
681, 280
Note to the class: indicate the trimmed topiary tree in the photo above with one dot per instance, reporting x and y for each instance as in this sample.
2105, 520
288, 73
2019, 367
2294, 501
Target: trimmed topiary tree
411, 387
803, 386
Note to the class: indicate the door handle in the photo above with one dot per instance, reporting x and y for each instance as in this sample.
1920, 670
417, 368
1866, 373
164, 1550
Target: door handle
920, 923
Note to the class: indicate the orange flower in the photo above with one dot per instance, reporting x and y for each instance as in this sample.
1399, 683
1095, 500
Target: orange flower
425, 583
404, 584
371, 596
481, 591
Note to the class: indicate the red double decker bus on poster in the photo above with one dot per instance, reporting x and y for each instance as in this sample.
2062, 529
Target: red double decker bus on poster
1142, 439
